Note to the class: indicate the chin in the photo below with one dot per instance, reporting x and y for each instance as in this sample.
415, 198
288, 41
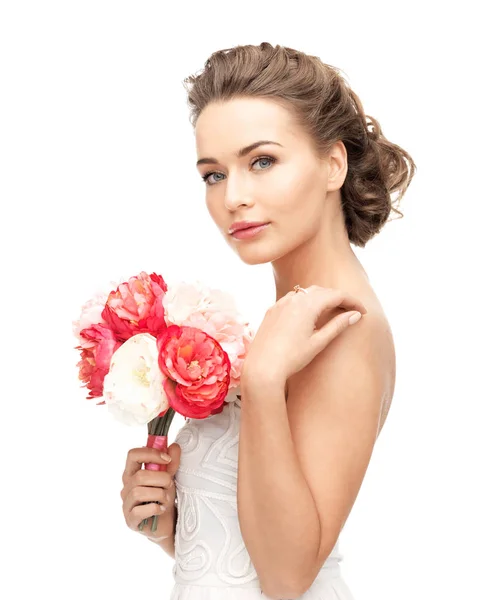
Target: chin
260, 252
254, 260
257, 256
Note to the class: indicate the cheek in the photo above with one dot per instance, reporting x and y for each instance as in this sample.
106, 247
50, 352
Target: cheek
301, 201
297, 188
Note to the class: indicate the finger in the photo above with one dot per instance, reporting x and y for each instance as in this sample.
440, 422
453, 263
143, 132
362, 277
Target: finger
136, 457
140, 495
324, 336
149, 478
174, 451
334, 298
144, 511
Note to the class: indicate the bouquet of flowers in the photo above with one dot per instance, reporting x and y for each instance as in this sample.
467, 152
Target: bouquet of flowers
149, 351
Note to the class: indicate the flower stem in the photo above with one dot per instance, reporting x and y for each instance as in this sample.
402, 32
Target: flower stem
154, 523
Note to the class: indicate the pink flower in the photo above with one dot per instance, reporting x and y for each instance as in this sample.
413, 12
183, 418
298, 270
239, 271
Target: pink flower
90, 315
214, 312
136, 306
197, 370
99, 345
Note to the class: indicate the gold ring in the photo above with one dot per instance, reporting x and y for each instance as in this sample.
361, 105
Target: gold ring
297, 288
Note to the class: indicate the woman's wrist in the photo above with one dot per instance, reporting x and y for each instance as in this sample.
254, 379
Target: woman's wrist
257, 380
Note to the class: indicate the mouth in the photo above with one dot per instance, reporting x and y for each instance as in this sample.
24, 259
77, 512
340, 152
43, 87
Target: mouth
249, 232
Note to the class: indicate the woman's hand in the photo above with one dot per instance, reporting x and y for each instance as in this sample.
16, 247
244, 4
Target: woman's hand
287, 340
156, 487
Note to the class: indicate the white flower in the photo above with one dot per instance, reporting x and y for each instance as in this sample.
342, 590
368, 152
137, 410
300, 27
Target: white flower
133, 387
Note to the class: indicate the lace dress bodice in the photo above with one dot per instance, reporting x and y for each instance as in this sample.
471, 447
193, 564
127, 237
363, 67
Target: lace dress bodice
211, 560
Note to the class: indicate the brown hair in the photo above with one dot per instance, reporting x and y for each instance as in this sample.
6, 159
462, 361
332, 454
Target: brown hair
326, 108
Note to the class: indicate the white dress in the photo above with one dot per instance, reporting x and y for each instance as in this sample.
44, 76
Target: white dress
211, 560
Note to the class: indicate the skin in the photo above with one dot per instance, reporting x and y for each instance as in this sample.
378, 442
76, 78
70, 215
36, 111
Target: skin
299, 194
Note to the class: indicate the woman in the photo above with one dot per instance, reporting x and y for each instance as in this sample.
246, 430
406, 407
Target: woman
265, 487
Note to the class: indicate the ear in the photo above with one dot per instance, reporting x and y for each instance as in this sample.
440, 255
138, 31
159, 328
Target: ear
338, 166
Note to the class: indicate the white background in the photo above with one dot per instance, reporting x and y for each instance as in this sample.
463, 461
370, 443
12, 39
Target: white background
98, 182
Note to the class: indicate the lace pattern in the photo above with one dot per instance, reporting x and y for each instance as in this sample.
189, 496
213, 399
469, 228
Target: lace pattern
209, 548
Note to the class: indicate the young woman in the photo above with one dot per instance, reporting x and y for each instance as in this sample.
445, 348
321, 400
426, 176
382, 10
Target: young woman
263, 489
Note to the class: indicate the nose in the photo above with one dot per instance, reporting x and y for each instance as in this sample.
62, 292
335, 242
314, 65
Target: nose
237, 192
234, 199
233, 204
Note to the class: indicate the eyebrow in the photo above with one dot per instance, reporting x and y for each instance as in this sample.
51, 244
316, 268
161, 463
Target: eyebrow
242, 152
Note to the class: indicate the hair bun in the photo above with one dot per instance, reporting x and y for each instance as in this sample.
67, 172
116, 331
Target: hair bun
324, 104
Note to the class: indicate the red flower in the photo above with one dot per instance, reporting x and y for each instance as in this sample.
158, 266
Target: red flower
198, 371
95, 359
136, 306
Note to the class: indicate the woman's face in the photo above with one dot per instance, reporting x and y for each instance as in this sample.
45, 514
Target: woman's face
284, 185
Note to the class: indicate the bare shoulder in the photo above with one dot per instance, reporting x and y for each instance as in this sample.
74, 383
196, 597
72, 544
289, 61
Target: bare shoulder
380, 340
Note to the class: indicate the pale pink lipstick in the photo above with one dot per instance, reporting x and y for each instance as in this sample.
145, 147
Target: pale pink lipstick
249, 232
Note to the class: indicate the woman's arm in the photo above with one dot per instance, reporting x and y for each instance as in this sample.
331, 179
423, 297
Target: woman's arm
278, 516
301, 464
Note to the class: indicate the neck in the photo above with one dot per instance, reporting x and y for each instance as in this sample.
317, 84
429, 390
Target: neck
325, 259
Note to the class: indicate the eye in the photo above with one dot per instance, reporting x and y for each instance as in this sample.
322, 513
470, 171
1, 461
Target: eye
257, 160
272, 160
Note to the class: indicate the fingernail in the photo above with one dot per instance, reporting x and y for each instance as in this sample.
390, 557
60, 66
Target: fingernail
165, 456
355, 318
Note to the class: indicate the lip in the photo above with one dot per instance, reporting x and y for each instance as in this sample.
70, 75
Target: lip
244, 225
249, 232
